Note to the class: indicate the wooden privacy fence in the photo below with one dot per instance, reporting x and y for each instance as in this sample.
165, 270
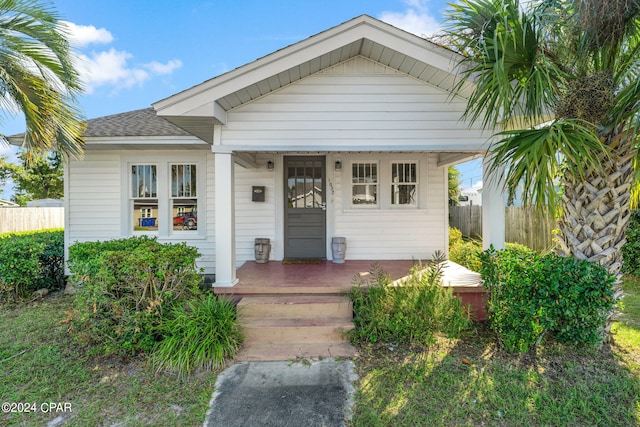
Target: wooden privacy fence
13, 220
522, 225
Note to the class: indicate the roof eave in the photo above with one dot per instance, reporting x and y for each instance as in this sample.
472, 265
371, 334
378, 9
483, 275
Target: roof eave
360, 28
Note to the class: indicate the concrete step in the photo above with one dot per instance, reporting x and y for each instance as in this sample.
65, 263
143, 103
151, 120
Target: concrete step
275, 330
295, 306
290, 351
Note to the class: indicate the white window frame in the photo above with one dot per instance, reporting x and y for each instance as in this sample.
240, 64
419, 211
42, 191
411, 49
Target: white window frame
133, 199
162, 161
416, 184
351, 182
196, 196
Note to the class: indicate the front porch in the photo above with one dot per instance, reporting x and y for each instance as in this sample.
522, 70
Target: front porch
327, 278
276, 277
302, 310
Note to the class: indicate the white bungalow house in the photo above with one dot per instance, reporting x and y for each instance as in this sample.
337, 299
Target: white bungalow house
348, 133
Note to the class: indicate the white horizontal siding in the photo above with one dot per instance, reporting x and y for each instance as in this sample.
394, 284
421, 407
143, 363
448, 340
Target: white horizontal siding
98, 201
386, 233
371, 233
255, 219
93, 197
345, 108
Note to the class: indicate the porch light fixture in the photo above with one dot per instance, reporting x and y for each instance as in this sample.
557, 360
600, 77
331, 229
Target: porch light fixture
338, 165
270, 164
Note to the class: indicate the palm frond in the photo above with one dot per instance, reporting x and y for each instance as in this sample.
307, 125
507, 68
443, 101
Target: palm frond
602, 28
38, 77
506, 61
531, 160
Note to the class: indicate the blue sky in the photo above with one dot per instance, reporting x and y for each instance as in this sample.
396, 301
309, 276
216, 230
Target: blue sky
135, 52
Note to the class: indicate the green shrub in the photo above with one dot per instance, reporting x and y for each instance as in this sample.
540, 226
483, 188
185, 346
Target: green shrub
530, 295
631, 249
455, 236
200, 334
30, 261
464, 252
411, 312
467, 254
517, 248
123, 287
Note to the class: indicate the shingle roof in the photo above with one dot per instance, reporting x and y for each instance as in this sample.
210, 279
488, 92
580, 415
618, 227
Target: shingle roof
143, 122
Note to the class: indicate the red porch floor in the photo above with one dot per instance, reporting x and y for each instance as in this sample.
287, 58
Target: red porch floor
275, 277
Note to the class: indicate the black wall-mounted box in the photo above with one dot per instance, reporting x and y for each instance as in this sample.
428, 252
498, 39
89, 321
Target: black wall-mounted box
257, 194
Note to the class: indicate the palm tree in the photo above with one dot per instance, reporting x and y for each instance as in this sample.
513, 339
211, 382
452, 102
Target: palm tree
38, 77
561, 80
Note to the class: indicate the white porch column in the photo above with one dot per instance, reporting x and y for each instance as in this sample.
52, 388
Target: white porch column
493, 229
225, 220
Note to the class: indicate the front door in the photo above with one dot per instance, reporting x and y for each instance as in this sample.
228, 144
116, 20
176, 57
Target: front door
305, 209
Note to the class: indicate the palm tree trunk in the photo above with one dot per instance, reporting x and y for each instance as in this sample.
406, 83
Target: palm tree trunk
596, 212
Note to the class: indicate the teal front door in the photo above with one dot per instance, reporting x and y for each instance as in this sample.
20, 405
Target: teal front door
305, 207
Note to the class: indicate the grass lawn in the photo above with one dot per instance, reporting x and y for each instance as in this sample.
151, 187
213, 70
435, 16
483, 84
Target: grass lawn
452, 383
470, 382
40, 364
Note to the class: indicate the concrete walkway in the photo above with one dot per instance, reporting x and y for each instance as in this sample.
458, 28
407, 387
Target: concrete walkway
283, 394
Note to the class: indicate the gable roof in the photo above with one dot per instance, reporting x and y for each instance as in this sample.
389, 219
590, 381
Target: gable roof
200, 107
137, 123
143, 122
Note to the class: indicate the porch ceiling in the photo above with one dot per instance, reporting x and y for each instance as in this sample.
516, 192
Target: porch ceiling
248, 159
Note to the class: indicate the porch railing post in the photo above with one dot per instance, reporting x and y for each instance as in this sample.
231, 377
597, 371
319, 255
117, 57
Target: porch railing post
493, 215
225, 220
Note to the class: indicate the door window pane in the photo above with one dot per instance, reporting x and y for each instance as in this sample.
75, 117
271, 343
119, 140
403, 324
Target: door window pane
304, 184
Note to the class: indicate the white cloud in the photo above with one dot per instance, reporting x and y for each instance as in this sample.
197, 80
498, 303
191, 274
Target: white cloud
158, 68
111, 67
416, 19
84, 35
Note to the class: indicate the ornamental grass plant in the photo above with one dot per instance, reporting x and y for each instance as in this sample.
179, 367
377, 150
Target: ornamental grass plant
200, 334
412, 311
